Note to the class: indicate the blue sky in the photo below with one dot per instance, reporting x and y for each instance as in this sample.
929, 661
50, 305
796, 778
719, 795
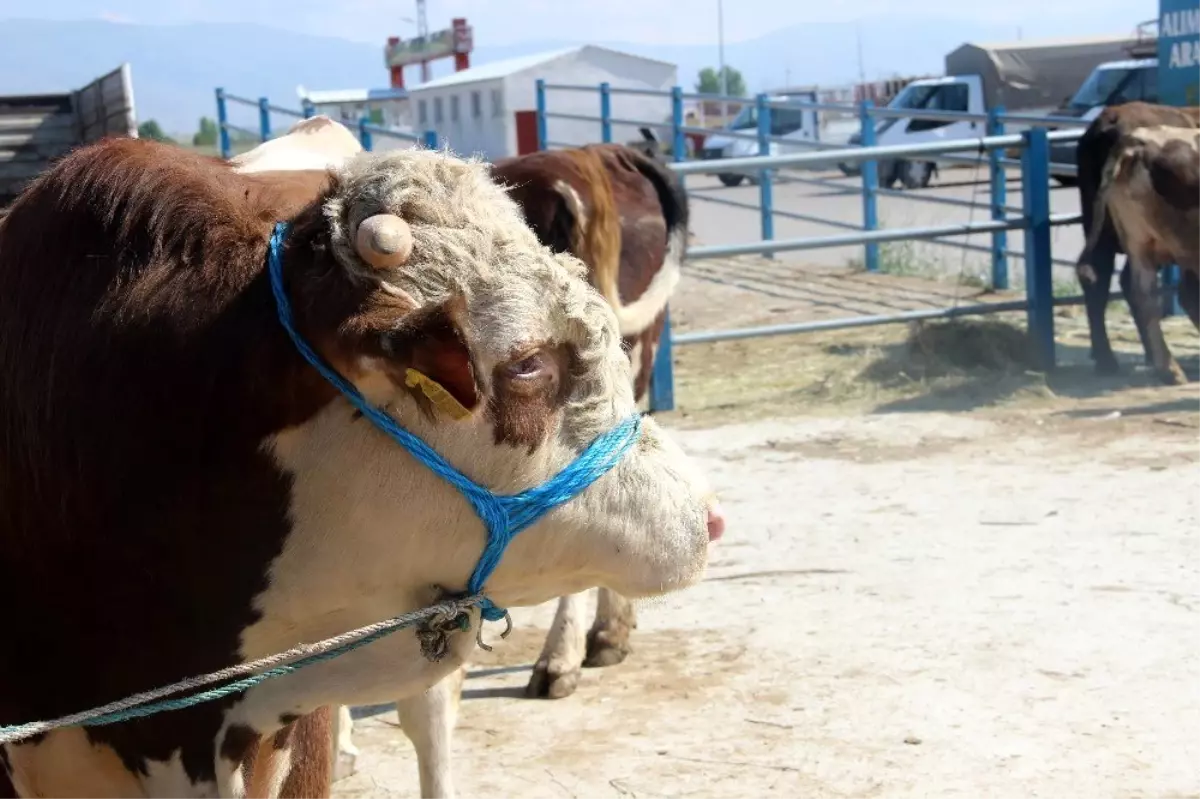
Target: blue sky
664, 22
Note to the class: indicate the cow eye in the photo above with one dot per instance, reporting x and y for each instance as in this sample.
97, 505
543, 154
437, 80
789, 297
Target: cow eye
527, 368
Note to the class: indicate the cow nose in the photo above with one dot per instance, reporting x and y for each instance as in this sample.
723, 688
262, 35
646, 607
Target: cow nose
716, 521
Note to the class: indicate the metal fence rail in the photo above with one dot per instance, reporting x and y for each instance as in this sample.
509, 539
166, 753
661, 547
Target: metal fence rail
365, 128
990, 149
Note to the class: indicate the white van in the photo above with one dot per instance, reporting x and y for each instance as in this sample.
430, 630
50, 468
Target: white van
797, 125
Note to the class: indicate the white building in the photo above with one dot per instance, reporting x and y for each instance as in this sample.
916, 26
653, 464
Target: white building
388, 108
491, 109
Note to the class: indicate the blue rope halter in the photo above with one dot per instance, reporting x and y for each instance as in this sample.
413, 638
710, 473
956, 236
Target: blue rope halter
503, 515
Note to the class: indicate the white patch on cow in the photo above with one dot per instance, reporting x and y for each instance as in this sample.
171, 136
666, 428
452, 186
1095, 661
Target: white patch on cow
316, 143
229, 775
575, 201
563, 651
428, 720
170, 778
641, 313
282, 763
66, 763
635, 359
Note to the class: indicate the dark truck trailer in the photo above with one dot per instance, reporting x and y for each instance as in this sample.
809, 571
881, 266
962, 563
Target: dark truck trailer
35, 129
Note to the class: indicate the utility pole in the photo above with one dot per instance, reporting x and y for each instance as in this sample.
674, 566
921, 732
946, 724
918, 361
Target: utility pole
862, 72
423, 34
721, 62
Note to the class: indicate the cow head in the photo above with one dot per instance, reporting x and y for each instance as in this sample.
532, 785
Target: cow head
420, 283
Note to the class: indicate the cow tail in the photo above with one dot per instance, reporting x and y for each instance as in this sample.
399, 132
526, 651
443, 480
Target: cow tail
1112, 169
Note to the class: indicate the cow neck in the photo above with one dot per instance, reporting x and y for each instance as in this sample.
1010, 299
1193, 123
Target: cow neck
503, 515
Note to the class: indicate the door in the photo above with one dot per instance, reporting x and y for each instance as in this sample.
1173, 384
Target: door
527, 132
953, 96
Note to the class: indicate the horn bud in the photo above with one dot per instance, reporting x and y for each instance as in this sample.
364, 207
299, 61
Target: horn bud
384, 241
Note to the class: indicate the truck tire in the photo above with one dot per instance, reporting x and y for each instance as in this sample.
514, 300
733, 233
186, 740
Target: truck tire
730, 179
915, 174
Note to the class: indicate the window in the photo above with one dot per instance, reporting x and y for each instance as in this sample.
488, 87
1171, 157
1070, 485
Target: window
943, 97
787, 120
497, 102
454, 108
437, 110
476, 105
422, 113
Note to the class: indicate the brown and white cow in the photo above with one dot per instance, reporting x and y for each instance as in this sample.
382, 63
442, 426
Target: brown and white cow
1091, 155
1151, 192
182, 491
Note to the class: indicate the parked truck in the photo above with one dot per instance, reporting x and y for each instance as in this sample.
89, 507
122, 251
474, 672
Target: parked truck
35, 129
1023, 77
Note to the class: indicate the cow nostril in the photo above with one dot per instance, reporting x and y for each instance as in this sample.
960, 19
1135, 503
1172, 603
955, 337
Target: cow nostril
716, 522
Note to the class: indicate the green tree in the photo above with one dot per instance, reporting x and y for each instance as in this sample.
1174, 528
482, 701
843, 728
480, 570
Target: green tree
150, 129
207, 135
710, 82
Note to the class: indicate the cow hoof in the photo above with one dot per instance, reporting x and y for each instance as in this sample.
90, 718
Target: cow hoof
547, 682
345, 766
603, 649
1107, 366
1173, 375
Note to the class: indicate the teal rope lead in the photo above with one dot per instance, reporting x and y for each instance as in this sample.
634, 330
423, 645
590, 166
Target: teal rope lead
151, 702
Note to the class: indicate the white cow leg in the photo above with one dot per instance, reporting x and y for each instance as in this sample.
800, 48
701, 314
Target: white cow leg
345, 753
608, 640
556, 673
428, 720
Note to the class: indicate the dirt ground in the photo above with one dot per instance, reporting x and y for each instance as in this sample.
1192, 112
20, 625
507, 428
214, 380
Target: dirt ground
944, 575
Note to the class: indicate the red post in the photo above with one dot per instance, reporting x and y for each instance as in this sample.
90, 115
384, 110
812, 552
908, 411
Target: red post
463, 44
396, 73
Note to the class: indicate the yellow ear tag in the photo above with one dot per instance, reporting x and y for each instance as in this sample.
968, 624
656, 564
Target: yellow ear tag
442, 399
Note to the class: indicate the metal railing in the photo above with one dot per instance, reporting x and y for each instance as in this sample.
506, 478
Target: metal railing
365, 128
1033, 217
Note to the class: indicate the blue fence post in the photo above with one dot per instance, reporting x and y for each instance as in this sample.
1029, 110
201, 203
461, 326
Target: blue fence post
870, 185
765, 205
995, 127
222, 121
430, 140
264, 118
1039, 291
541, 114
662, 378
308, 109
1170, 286
364, 133
678, 139
605, 113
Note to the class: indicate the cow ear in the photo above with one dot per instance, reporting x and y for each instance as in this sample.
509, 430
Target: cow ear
429, 354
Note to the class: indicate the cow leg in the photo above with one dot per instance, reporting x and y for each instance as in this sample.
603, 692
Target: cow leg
345, 753
608, 640
1144, 281
428, 720
1189, 295
310, 775
1095, 299
556, 673
1134, 310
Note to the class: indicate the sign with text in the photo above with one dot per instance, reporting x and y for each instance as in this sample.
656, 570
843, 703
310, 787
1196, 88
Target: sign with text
1178, 52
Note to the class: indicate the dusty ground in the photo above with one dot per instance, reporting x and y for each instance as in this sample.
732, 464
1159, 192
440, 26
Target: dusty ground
944, 575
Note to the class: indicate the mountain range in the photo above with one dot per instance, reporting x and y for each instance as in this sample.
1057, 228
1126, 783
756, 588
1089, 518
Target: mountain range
176, 67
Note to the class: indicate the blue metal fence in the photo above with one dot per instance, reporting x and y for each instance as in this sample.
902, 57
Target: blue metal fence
365, 128
1033, 217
